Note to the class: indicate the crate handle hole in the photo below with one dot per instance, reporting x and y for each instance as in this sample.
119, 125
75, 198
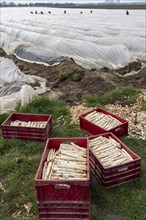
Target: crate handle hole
62, 186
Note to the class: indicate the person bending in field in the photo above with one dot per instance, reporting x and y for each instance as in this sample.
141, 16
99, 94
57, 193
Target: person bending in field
127, 12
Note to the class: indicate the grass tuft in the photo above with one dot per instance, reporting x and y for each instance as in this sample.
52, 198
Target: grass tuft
122, 95
63, 75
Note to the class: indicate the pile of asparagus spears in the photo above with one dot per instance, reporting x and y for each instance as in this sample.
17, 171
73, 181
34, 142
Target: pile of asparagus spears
69, 162
109, 152
104, 121
34, 124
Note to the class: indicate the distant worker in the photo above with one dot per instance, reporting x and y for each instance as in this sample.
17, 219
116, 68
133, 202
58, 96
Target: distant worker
35, 12
127, 12
81, 12
64, 11
42, 12
91, 11
49, 12
31, 12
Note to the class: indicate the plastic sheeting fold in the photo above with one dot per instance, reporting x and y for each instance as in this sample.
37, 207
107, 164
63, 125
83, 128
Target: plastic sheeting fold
34, 55
10, 88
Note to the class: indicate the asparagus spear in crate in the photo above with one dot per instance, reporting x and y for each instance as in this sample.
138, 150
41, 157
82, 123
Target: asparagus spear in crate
36, 124
69, 162
105, 121
108, 151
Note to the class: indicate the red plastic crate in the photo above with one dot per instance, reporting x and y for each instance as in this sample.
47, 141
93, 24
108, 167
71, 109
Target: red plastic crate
64, 216
62, 190
89, 127
64, 211
71, 195
115, 175
27, 133
64, 207
118, 181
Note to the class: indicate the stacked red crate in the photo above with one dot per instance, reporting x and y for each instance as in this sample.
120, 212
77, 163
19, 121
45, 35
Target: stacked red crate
115, 175
63, 199
27, 133
89, 127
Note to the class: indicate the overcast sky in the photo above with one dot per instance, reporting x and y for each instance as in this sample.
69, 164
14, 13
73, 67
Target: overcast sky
77, 1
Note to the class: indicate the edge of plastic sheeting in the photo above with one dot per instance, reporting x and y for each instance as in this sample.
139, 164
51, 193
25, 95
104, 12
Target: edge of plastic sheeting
29, 61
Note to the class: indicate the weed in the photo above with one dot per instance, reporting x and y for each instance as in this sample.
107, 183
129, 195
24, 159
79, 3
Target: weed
63, 75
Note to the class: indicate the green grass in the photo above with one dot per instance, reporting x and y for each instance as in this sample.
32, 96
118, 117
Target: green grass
19, 161
63, 75
3, 118
122, 95
42, 105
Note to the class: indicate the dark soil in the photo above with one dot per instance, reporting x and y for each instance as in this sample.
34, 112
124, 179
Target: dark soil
73, 81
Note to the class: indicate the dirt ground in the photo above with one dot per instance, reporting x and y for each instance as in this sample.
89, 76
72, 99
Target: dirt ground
73, 81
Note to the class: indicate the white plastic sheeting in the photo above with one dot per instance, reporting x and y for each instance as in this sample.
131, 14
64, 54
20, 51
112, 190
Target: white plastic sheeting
9, 103
14, 86
8, 89
107, 38
9, 71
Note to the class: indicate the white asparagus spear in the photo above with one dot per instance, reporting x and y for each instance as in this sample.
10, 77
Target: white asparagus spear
44, 170
52, 168
80, 148
73, 156
127, 155
56, 168
65, 158
52, 153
